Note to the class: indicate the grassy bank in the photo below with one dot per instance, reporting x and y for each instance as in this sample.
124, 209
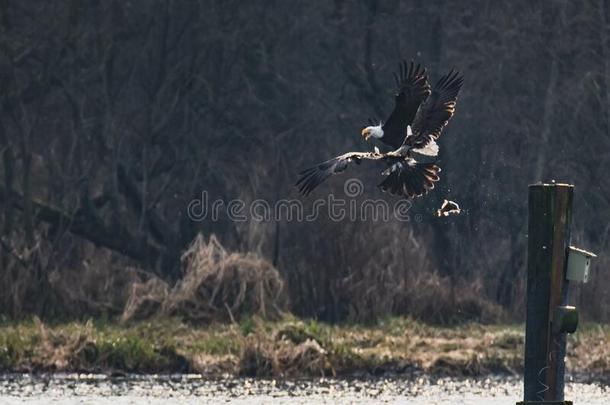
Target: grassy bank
289, 347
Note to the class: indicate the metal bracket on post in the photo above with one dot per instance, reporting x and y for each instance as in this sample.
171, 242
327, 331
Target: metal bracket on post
565, 319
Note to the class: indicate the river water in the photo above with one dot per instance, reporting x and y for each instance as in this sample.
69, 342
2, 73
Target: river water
71, 389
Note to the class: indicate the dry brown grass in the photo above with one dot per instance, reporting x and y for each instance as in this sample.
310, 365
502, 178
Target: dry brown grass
285, 348
394, 276
264, 358
439, 300
216, 285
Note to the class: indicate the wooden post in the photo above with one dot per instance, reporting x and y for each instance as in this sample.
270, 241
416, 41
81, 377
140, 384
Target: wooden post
550, 214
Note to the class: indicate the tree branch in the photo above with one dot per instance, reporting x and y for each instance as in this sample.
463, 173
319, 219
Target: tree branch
82, 225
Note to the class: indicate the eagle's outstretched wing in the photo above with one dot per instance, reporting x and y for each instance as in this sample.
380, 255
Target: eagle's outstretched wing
413, 88
405, 176
314, 176
436, 111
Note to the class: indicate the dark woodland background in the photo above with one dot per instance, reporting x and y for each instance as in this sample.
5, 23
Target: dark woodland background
115, 115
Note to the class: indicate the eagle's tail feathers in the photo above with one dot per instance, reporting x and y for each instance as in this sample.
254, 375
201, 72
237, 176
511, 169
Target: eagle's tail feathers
411, 181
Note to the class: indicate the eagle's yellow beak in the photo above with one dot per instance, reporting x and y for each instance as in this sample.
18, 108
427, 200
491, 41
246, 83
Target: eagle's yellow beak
366, 133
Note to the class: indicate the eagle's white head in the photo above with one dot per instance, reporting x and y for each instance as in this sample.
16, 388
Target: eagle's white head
374, 131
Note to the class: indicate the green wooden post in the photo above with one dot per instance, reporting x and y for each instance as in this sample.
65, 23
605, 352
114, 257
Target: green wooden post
550, 214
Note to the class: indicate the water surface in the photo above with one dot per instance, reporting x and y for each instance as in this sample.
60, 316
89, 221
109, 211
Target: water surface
72, 389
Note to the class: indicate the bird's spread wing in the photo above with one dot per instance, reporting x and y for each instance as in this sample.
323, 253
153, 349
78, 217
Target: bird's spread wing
409, 178
314, 176
434, 114
413, 88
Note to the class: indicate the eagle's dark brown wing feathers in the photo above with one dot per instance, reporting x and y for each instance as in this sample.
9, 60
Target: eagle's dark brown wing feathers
413, 88
436, 111
314, 176
408, 179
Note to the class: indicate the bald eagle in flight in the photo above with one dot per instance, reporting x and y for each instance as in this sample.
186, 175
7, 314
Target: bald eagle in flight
419, 116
